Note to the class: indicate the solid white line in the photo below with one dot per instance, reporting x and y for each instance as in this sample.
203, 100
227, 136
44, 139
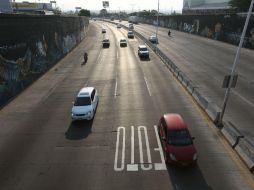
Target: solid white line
244, 99
132, 166
132, 144
162, 165
115, 89
147, 86
147, 149
123, 150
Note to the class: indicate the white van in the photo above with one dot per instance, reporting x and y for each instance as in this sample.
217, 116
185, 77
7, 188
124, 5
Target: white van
85, 104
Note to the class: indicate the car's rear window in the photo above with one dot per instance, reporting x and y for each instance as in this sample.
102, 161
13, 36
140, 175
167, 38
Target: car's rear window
143, 49
82, 101
179, 137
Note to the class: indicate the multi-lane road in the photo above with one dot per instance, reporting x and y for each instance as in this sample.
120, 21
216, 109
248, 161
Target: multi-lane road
206, 62
40, 148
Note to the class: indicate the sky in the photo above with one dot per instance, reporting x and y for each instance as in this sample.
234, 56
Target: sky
116, 5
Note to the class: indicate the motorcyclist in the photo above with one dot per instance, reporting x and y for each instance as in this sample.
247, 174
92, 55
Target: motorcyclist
85, 57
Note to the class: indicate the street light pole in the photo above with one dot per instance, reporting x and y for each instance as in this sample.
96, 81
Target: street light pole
157, 23
236, 61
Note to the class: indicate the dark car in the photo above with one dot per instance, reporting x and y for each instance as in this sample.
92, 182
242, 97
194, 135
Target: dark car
130, 34
176, 140
123, 43
105, 42
103, 30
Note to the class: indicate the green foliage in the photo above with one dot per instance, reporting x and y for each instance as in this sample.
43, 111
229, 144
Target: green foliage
241, 5
84, 12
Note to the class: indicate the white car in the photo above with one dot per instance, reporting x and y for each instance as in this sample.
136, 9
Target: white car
153, 39
143, 51
85, 104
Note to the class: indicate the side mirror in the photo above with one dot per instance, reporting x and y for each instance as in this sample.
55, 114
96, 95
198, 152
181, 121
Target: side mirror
193, 138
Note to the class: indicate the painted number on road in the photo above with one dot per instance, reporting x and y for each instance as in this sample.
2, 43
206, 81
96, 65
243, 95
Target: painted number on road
143, 142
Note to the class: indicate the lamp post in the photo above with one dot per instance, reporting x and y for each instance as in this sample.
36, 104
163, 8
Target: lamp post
157, 23
236, 61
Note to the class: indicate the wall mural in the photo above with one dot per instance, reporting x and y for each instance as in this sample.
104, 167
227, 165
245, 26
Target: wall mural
22, 63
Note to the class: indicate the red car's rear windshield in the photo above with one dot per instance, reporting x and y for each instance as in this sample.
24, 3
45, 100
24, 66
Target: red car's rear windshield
179, 137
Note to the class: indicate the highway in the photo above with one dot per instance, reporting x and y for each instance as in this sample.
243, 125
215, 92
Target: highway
40, 148
206, 62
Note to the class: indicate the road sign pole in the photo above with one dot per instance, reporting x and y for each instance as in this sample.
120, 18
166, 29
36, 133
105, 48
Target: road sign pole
236, 61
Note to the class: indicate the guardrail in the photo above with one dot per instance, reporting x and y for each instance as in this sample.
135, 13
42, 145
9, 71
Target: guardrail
244, 148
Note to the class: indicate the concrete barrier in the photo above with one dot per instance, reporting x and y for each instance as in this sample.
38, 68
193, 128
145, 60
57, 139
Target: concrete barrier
190, 87
246, 152
231, 133
213, 111
200, 99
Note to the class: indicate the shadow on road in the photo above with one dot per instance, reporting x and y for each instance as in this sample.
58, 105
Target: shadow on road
79, 130
189, 178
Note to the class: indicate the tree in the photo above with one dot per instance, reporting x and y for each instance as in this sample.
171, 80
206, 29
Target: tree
84, 12
103, 12
241, 5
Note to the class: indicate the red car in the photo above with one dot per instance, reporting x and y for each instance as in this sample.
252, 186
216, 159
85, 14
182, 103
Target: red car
177, 142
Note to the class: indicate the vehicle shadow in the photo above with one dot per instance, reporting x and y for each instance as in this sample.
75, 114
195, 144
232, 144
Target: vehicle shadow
144, 59
79, 130
189, 178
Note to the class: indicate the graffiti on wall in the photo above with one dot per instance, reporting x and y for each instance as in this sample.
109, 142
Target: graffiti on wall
22, 63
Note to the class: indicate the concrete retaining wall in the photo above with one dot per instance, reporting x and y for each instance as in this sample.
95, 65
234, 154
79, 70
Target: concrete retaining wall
30, 45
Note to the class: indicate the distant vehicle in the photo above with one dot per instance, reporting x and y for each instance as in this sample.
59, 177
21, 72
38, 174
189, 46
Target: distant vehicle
118, 26
123, 43
176, 140
131, 27
133, 19
153, 39
103, 30
143, 51
105, 42
85, 104
130, 34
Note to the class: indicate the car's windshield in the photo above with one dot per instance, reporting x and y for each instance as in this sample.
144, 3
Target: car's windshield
82, 101
122, 40
179, 137
106, 40
143, 49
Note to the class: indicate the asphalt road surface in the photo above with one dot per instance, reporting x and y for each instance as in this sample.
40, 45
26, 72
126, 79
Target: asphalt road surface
41, 149
206, 62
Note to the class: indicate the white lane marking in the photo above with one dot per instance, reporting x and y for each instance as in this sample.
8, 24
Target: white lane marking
244, 99
149, 167
162, 165
147, 86
123, 149
115, 89
132, 166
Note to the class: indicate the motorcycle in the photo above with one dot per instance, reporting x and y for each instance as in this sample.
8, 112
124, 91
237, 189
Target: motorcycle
169, 33
85, 59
